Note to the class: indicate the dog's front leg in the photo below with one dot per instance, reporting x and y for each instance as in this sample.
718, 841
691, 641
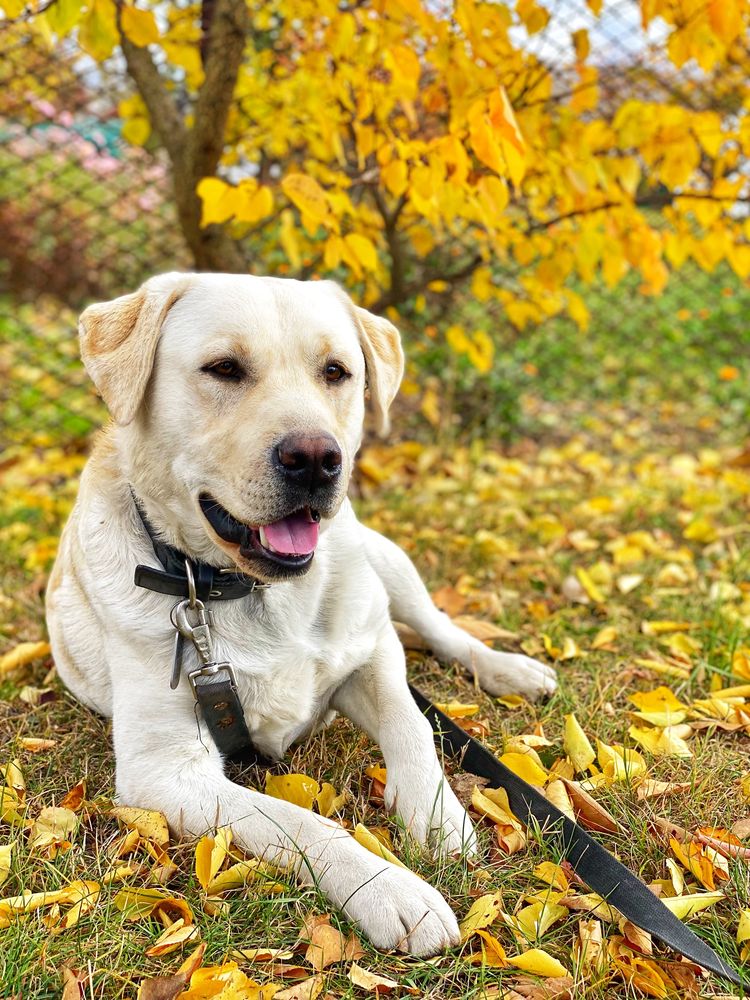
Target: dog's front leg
410, 603
165, 761
376, 697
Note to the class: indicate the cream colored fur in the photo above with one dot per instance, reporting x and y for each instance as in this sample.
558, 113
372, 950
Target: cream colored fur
304, 648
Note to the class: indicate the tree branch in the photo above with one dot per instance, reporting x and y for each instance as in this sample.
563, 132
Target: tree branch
654, 200
225, 46
166, 120
388, 298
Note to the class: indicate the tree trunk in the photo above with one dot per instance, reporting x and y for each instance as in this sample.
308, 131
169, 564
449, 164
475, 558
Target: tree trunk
194, 153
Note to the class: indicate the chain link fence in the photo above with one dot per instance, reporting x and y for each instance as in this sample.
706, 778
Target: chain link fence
85, 215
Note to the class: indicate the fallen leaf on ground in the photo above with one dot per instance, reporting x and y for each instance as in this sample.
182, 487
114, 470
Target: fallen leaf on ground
51, 830
75, 984
669, 742
492, 954
74, 798
169, 987
650, 789
308, 989
328, 800
457, 709
685, 906
589, 812
172, 938
327, 946
21, 655
137, 903
35, 744
576, 744
660, 707
370, 981
538, 962
368, 839
482, 913
210, 854
151, 825
297, 788
6, 855
589, 950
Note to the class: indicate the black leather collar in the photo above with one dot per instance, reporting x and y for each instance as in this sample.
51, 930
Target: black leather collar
210, 582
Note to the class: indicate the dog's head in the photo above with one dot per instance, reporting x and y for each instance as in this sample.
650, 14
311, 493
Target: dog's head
242, 400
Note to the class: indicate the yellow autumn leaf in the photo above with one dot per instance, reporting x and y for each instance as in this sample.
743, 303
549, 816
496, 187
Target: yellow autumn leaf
740, 662
297, 788
576, 744
328, 800
743, 927
151, 825
136, 903
538, 963
363, 249
307, 195
482, 912
52, 827
569, 651
219, 200
525, 767
662, 742
6, 855
22, 654
370, 981
584, 578
702, 530
661, 627
534, 920
552, 874
604, 637
660, 707
457, 709
685, 906
241, 873
97, 31
210, 854
139, 25
619, 763
367, 839
173, 937
493, 803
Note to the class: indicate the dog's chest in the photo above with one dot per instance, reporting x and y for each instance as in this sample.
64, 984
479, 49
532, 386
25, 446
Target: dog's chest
289, 666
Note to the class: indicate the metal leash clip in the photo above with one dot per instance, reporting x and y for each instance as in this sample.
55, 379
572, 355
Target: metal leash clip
198, 631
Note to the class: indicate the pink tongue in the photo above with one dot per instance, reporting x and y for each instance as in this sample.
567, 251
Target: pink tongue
293, 536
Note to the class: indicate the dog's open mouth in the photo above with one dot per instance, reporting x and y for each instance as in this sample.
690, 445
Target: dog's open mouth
290, 541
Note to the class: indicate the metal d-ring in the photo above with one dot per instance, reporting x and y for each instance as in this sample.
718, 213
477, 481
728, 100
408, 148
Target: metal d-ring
192, 593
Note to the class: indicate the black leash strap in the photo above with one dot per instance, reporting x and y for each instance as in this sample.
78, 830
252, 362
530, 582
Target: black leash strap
599, 869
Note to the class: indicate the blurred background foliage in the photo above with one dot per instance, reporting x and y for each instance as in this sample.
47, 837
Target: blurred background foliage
549, 198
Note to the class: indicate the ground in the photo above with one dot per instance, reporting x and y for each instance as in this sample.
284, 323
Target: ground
609, 536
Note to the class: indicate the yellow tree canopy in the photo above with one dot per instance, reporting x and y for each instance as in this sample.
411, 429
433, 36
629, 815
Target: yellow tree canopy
404, 146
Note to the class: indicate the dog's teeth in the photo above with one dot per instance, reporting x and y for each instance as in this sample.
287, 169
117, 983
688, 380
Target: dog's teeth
263, 539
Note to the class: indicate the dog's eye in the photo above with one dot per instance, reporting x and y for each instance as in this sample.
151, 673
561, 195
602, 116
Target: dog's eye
226, 369
334, 372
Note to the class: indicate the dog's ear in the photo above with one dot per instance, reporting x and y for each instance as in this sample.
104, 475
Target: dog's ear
384, 357
119, 338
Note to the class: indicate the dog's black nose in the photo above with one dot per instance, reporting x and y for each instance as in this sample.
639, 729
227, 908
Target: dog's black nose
308, 460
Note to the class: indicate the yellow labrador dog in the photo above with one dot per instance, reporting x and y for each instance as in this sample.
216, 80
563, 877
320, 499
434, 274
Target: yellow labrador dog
237, 406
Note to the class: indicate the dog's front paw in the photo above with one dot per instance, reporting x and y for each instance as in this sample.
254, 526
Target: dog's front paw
397, 911
512, 673
431, 813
